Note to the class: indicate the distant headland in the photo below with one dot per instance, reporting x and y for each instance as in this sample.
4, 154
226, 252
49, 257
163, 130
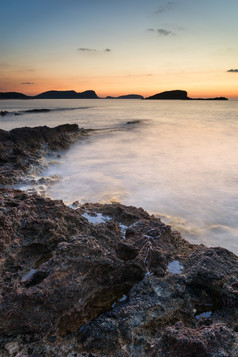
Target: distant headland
91, 94
52, 94
127, 96
181, 95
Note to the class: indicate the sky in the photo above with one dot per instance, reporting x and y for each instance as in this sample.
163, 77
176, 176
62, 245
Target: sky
120, 47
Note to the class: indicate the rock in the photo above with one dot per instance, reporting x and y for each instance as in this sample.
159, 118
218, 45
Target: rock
215, 98
51, 94
173, 94
12, 347
205, 341
13, 95
98, 280
180, 94
127, 96
70, 94
3, 112
21, 149
44, 110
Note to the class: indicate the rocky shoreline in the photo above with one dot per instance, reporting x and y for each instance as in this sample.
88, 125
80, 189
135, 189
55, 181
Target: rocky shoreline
22, 150
98, 280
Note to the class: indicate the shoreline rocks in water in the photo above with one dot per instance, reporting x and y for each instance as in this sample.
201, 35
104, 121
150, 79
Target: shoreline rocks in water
70, 287
22, 148
103, 280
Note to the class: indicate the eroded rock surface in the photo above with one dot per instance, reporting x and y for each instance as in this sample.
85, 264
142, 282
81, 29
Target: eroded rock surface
21, 149
109, 280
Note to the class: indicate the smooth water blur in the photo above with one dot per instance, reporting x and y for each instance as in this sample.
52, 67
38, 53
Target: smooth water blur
180, 161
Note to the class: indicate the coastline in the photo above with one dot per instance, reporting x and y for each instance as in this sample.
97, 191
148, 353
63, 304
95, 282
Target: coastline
103, 280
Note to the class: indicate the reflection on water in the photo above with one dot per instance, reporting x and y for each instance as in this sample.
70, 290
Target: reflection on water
179, 161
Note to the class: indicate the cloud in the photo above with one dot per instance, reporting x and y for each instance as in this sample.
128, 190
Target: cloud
27, 82
164, 8
164, 32
93, 50
83, 49
233, 70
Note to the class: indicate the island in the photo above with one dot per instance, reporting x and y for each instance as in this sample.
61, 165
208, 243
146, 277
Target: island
172, 94
127, 96
52, 94
179, 95
91, 94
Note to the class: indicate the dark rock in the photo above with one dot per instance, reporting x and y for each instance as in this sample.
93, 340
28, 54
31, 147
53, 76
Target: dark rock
22, 148
106, 290
3, 112
52, 94
205, 341
13, 95
36, 111
173, 94
70, 94
127, 96
215, 98
52, 338
133, 122
180, 94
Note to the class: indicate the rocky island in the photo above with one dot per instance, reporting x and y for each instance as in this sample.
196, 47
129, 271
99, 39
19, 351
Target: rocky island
179, 94
52, 94
99, 280
127, 96
90, 94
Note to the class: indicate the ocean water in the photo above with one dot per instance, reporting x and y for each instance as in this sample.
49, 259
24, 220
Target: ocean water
178, 159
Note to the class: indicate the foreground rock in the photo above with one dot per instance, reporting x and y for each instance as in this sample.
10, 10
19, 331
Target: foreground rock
22, 149
109, 280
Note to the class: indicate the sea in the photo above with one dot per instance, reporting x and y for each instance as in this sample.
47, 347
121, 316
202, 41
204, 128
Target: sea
176, 159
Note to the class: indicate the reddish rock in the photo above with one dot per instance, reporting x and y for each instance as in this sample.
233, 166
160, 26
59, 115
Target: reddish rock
22, 148
115, 287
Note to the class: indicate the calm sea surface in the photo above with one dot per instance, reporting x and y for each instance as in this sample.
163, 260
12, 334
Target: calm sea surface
179, 161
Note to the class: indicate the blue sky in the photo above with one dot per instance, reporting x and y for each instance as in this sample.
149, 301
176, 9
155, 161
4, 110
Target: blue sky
119, 47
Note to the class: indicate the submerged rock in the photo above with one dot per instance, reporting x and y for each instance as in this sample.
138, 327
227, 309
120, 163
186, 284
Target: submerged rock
74, 286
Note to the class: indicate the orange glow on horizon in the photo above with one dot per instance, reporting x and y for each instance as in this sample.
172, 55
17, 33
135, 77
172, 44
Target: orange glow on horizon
117, 86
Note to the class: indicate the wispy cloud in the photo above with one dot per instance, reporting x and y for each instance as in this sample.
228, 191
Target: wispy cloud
164, 32
233, 70
27, 82
167, 6
85, 49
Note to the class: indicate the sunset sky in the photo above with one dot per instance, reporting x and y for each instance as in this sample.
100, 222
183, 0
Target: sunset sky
120, 47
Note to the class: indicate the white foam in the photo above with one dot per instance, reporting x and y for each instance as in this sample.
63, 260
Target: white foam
204, 314
28, 275
97, 218
175, 267
123, 229
122, 299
